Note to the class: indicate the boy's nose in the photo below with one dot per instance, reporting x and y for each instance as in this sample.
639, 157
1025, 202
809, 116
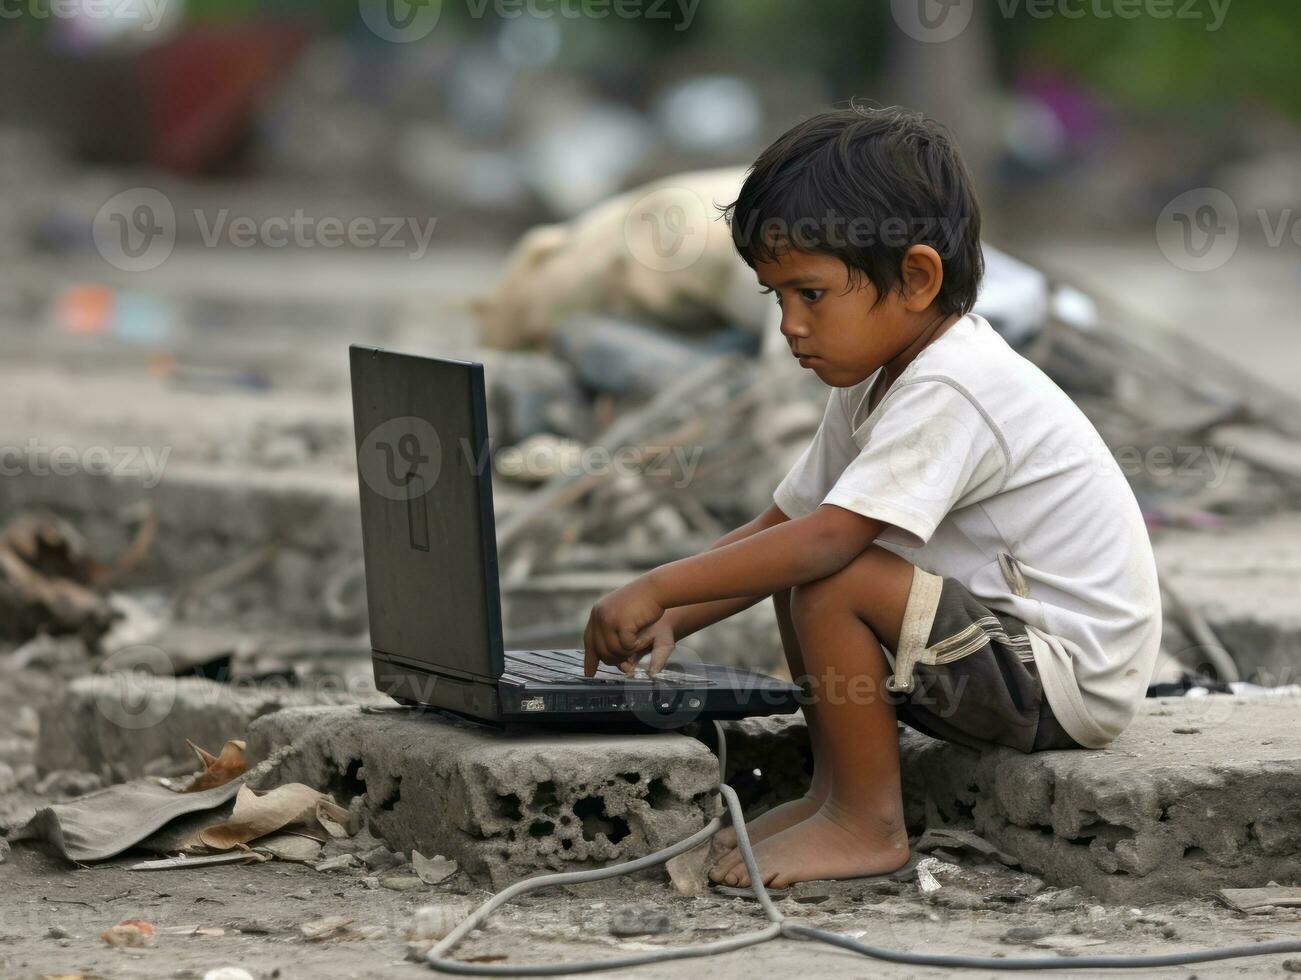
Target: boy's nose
791, 328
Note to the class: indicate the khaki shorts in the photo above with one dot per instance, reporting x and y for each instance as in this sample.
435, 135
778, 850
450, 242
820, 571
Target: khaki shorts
965, 673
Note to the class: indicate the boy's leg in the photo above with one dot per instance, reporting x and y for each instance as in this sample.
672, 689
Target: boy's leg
841, 622
784, 815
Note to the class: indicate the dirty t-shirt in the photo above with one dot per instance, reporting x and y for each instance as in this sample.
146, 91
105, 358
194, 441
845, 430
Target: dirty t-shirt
974, 453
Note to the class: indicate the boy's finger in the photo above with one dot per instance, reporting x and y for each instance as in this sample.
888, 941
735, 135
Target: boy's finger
660, 654
590, 659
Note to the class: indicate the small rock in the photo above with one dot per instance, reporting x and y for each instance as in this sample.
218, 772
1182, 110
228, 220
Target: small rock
637, 921
430, 923
228, 973
811, 892
381, 858
66, 782
330, 926
58, 932
1187, 731
1065, 898
433, 870
402, 883
370, 881
340, 863
689, 872
129, 932
416, 951
1025, 934
1293, 965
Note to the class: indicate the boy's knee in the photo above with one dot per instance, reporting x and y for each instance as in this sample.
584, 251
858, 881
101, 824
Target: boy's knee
848, 589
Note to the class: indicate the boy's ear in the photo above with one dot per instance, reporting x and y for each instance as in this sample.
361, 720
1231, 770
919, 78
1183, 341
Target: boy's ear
921, 276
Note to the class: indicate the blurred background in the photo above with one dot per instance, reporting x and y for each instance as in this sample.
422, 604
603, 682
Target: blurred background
205, 202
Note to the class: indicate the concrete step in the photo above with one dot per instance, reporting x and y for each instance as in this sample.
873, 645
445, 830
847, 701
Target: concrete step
1198, 794
503, 806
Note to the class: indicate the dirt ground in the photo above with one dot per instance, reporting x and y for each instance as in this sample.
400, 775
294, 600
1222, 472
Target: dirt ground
51, 913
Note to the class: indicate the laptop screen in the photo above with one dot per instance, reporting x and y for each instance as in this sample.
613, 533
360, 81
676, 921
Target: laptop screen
428, 535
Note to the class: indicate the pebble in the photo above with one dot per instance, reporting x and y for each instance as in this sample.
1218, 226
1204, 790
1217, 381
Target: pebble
637, 921
381, 858
339, 863
1293, 965
228, 973
402, 883
429, 923
1025, 934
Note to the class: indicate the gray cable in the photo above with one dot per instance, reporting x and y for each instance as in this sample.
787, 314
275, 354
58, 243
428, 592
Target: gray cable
780, 926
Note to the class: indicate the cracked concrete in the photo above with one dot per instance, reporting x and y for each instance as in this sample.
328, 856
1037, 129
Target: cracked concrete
120, 725
502, 805
1198, 794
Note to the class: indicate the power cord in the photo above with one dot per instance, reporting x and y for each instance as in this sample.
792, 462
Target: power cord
780, 926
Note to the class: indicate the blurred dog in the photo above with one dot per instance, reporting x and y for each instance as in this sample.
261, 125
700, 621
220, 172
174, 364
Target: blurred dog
661, 251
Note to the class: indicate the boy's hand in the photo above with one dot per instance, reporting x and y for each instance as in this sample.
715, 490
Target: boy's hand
617, 629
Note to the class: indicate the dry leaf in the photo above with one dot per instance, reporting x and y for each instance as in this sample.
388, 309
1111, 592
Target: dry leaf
258, 814
290, 847
333, 818
218, 770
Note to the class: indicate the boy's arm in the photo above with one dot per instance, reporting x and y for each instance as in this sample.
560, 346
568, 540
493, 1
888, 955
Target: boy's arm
778, 558
686, 620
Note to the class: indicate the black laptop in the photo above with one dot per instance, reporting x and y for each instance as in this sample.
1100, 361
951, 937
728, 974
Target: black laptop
429, 541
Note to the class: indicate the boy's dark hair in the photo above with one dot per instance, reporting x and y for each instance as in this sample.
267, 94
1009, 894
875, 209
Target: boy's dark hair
865, 184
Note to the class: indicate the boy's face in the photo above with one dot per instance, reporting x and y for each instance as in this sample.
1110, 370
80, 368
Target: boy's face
841, 330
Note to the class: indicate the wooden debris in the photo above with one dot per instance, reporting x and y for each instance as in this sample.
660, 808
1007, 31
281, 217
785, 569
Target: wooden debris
1249, 899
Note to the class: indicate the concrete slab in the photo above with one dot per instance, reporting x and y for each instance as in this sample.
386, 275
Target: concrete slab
504, 806
118, 724
1198, 794
1243, 580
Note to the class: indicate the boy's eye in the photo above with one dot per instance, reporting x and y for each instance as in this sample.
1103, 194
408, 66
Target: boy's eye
811, 295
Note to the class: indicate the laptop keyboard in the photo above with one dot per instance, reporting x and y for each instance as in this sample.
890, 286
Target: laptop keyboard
566, 667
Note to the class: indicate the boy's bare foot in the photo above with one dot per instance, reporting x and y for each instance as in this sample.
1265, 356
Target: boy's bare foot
827, 845
770, 822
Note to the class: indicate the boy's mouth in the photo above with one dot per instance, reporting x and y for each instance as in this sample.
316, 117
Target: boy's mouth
806, 360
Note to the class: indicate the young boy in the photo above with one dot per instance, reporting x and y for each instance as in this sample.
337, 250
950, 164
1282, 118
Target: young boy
955, 549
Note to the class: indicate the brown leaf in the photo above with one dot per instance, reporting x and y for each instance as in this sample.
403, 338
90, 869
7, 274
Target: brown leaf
218, 770
258, 814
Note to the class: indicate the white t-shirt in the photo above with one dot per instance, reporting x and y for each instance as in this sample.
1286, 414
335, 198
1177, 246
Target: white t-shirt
975, 453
